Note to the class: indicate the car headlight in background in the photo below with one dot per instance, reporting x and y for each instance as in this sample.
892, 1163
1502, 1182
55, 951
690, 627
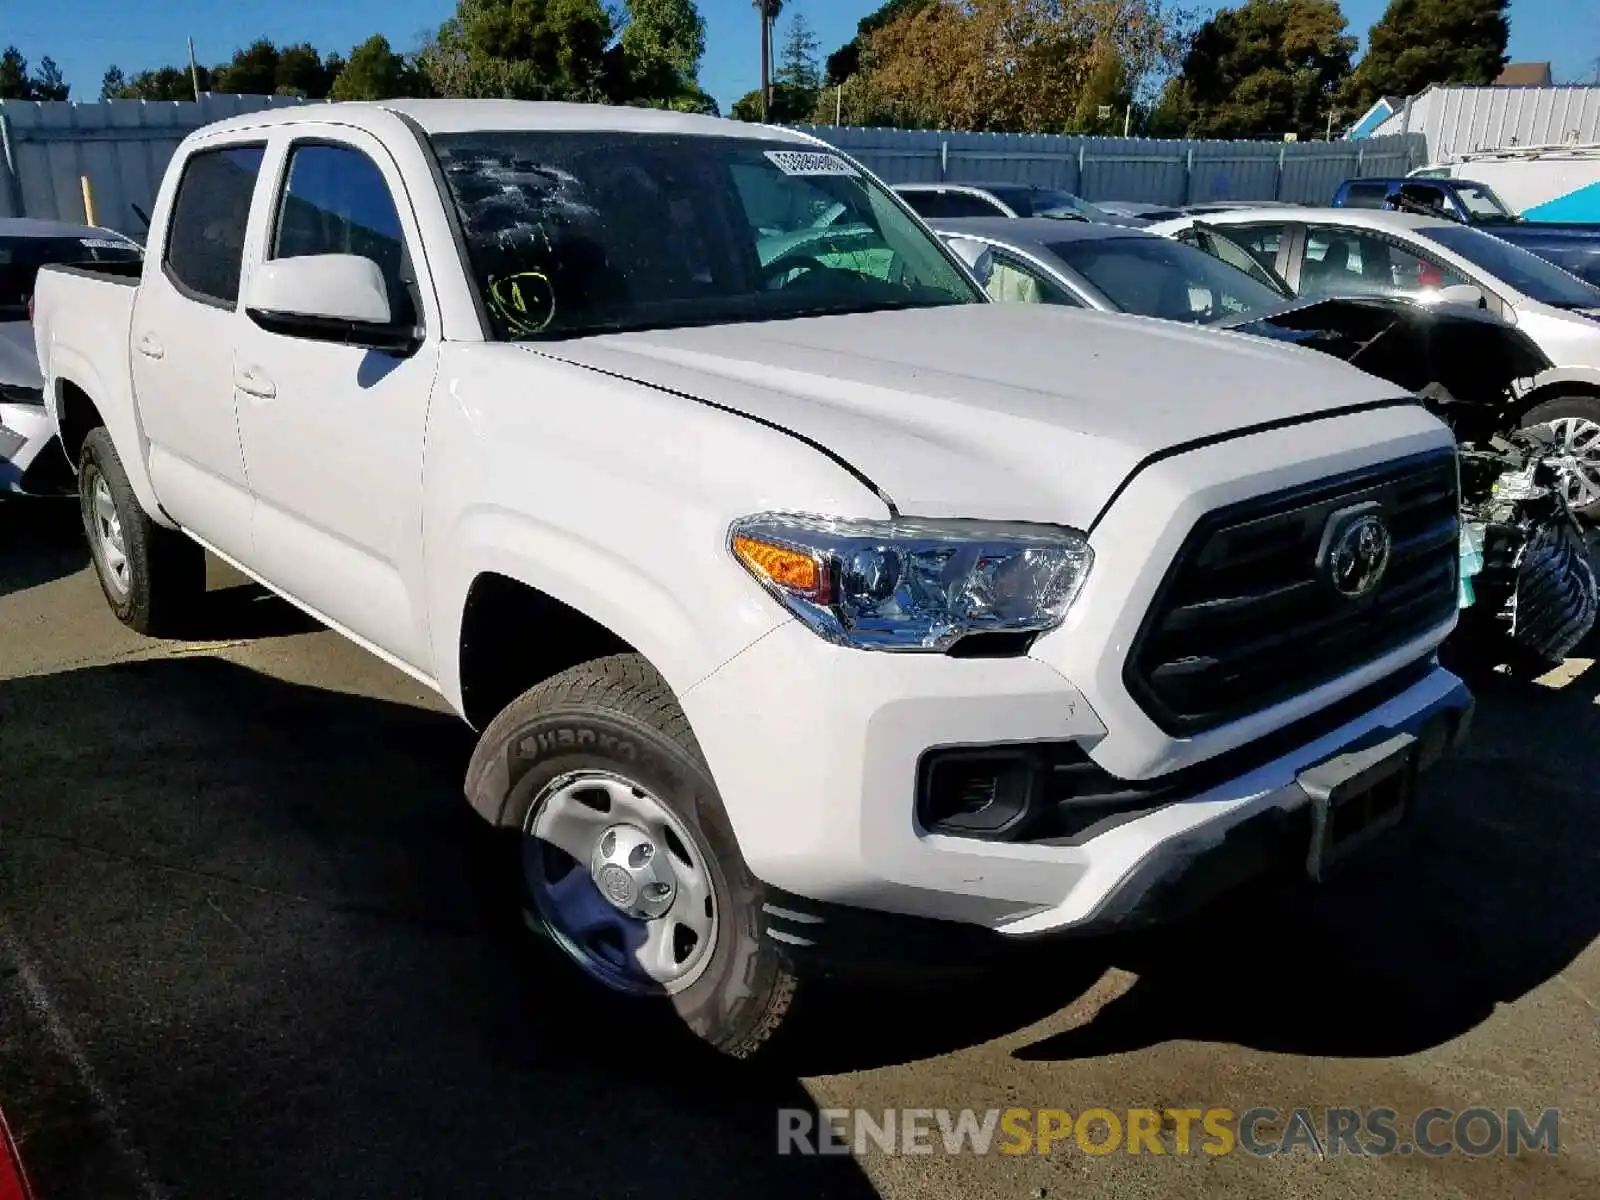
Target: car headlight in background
913, 585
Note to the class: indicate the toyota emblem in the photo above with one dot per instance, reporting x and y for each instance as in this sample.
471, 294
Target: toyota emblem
1358, 555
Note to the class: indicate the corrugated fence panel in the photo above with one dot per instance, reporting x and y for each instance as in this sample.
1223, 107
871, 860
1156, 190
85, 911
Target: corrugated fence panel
121, 146
1141, 169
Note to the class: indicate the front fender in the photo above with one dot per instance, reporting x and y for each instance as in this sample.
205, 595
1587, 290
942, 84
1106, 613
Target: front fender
685, 633
1559, 380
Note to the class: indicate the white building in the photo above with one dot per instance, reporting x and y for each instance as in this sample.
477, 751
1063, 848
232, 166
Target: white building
1466, 120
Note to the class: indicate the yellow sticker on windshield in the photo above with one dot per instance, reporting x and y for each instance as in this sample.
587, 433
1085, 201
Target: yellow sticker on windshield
525, 301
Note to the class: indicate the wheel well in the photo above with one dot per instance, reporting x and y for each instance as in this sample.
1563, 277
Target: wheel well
1561, 387
77, 416
513, 636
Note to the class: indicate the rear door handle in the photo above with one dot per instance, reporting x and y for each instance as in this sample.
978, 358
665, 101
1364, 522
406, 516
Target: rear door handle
150, 346
253, 383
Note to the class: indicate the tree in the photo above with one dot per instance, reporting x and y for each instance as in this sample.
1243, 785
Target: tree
788, 104
521, 49
163, 83
264, 69
797, 66
1024, 65
14, 81
17, 84
1420, 42
1264, 69
113, 83
48, 83
375, 72
657, 60
767, 11
301, 71
846, 60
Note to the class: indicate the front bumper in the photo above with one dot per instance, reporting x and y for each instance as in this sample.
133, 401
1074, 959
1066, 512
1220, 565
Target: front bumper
815, 752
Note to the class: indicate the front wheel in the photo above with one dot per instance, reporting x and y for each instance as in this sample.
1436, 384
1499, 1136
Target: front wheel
153, 578
1575, 422
629, 862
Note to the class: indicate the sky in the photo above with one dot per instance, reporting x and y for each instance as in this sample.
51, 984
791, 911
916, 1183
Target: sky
86, 36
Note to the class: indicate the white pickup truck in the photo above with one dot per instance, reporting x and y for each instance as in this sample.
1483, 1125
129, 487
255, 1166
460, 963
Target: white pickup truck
811, 608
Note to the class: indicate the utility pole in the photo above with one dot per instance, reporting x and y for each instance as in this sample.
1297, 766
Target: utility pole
838, 105
1127, 120
194, 72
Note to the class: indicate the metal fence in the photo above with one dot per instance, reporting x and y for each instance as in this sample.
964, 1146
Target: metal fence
1143, 169
121, 147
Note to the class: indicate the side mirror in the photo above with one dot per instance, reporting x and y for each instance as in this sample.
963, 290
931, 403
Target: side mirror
976, 255
328, 298
1468, 294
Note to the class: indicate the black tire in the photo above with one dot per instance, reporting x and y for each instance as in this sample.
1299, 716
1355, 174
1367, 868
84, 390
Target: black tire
617, 714
165, 575
1581, 406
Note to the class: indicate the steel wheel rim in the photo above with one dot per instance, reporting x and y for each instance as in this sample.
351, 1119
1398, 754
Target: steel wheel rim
637, 940
105, 533
1578, 458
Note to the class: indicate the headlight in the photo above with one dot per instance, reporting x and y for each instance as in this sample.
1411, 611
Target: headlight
913, 585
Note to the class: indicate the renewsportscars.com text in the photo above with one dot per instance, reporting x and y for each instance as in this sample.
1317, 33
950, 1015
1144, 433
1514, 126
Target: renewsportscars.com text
1263, 1132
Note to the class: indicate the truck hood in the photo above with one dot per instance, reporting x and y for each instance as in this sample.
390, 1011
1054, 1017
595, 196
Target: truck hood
998, 411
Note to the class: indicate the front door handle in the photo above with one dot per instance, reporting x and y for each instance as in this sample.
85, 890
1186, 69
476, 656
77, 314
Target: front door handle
253, 383
150, 346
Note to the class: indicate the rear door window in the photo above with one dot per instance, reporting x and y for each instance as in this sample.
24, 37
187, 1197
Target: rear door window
205, 245
1349, 262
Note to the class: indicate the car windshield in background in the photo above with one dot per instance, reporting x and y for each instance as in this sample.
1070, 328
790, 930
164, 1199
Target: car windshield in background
1481, 202
577, 233
21, 258
1048, 202
1157, 277
1527, 272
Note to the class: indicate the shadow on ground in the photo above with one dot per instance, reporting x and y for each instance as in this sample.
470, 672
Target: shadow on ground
1489, 895
40, 541
292, 958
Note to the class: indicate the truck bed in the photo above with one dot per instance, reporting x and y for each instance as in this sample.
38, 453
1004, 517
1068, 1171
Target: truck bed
82, 318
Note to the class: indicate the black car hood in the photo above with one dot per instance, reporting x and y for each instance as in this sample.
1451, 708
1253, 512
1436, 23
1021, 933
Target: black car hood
1471, 353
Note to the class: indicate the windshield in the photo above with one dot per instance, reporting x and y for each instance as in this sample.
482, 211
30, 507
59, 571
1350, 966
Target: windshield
1529, 274
1157, 277
571, 233
1480, 201
21, 258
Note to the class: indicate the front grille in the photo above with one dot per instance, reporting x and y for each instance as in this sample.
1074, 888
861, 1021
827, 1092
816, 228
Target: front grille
1246, 619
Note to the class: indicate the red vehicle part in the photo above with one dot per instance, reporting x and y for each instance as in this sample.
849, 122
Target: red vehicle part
13, 1181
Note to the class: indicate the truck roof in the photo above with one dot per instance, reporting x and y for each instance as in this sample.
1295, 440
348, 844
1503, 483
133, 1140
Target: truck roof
475, 116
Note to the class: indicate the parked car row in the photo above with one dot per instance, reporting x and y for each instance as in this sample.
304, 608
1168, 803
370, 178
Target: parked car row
814, 611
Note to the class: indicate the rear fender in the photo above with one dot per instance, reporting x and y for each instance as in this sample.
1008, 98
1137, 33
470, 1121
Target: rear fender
113, 400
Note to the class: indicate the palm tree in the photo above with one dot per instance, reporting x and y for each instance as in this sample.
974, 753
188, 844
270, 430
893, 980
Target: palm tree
769, 10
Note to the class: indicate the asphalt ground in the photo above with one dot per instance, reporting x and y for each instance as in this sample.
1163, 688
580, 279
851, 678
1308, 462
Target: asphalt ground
252, 944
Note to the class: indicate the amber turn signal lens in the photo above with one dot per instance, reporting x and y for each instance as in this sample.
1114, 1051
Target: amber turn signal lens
794, 571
